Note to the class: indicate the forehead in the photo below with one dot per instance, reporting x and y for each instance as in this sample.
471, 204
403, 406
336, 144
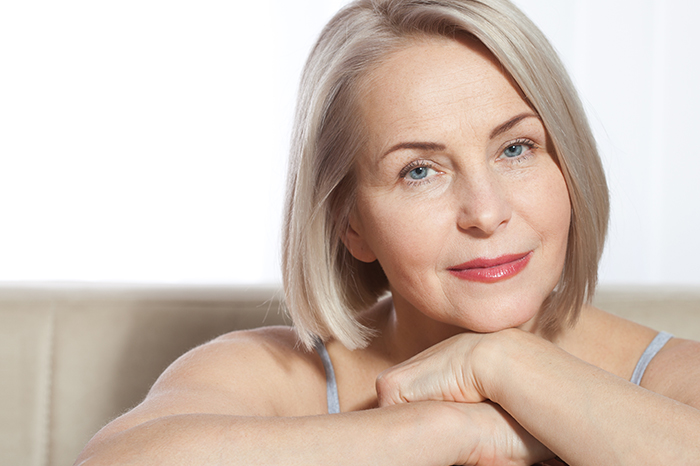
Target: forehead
435, 81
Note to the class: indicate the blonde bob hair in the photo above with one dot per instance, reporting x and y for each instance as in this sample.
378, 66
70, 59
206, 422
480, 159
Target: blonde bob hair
325, 287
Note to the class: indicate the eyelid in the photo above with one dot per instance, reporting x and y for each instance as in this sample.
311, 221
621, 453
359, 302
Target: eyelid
415, 164
523, 141
517, 142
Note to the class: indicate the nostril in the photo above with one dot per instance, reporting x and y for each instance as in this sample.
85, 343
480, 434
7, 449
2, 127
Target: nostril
483, 211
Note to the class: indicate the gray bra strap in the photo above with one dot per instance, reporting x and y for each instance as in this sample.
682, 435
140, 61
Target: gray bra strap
656, 344
331, 385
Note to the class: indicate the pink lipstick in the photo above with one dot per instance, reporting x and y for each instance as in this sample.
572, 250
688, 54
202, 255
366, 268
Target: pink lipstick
491, 270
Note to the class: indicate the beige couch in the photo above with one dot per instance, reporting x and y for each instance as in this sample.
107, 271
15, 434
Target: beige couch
74, 356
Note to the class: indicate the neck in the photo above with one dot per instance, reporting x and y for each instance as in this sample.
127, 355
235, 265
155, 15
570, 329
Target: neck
405, 332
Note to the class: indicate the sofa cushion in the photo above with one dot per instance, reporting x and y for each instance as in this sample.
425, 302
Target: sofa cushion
74, 356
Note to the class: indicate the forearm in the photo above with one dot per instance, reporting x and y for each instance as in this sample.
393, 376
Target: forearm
586, 415
398, 435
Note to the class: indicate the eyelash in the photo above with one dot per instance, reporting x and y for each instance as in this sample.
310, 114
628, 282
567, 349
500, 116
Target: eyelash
412, 166
520, 158
429, 165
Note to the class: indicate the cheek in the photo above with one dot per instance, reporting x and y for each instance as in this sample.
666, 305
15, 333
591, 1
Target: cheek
553, 215
545, 203
560, 211
405, 237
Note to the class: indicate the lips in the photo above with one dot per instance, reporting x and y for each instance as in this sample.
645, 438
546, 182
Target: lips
492, 270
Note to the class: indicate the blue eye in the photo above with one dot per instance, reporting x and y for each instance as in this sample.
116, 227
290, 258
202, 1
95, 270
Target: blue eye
514, 150
418, 173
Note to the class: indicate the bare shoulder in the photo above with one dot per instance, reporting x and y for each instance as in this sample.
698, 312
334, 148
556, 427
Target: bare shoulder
610, 342
261, 372
256, 372
675, 371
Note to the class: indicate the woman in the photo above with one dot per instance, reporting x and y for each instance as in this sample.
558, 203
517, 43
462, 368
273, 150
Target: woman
446, 213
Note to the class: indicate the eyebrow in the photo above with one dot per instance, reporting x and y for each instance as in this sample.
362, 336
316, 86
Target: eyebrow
435, 147
425, 146
511, 123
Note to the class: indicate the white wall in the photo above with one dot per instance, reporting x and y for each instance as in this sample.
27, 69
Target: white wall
636, 65
145, 141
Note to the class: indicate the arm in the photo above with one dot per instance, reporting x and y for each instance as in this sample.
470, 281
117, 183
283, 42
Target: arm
389, 436
611, 420
584, 414
197, 413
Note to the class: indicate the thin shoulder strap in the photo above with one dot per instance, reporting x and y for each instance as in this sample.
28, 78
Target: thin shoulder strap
331, 385
656, 344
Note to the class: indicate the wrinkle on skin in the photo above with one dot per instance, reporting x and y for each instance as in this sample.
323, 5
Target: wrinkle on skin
446, 105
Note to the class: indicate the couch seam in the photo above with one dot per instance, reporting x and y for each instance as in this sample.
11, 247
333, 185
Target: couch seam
47, 396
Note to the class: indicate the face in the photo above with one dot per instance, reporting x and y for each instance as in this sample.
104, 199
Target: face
458, 196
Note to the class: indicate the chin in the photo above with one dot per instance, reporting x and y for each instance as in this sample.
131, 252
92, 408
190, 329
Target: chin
499, 317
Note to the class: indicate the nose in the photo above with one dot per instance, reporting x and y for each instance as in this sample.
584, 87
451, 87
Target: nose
483, 204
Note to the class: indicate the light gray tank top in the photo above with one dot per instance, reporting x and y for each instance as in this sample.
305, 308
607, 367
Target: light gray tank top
332, 387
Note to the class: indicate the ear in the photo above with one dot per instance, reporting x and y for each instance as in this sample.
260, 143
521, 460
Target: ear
356, 244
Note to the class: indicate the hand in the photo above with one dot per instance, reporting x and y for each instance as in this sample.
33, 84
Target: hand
492, 437
443, 372
452, 370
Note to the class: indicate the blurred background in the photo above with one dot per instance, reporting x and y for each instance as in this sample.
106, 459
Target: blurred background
145, 141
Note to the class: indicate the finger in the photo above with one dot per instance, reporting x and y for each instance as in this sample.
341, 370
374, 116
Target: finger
420, 382
389, 389
407, 383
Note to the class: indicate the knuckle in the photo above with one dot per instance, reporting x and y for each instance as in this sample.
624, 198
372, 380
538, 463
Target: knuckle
391, 388
386, 382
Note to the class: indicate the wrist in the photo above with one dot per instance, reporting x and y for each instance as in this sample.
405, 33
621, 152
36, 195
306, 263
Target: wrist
436, 432
457, 430
494, 359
